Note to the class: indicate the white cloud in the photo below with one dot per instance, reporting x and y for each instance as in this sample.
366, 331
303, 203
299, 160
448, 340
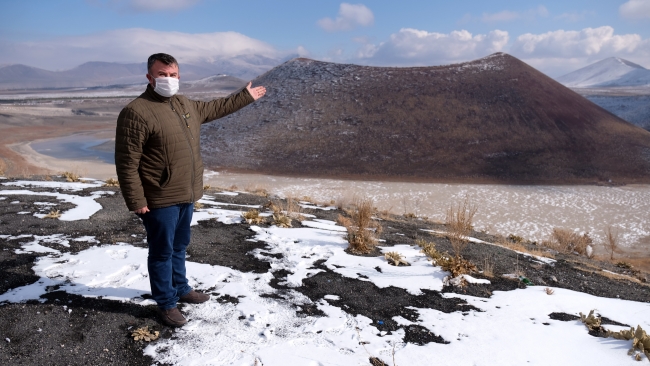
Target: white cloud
350, 16
410, 47
562, 51
507, 15
584, 43
133, 45
635, 9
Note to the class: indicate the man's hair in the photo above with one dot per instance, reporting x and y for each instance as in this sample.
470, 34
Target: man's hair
162, 57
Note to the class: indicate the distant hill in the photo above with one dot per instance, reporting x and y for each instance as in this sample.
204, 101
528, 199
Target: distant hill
495, 119
610, 72
95, 74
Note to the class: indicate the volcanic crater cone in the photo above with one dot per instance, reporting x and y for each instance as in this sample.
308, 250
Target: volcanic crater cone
495, 119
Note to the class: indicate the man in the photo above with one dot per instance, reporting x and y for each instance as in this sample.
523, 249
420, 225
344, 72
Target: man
159, 166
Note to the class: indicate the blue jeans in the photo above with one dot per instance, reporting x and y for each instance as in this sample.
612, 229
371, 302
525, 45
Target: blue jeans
168, 235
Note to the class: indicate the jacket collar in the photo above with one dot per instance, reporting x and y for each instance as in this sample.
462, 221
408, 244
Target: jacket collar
155, 96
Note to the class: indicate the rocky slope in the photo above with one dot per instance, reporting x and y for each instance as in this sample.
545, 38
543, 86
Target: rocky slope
493, 119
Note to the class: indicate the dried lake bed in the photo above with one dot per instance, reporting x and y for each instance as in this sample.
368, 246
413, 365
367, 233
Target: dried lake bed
529, 211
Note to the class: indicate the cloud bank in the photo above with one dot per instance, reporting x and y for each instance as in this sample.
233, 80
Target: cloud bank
635, 9
563, 51
133, 45
350, 16
554, 53
410, 47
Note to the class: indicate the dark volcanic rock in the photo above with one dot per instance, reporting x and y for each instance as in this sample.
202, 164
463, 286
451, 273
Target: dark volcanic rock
493, 119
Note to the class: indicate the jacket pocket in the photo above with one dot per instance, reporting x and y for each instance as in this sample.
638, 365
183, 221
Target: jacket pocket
165, 177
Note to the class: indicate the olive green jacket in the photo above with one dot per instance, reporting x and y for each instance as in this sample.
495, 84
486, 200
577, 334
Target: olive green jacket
157, 147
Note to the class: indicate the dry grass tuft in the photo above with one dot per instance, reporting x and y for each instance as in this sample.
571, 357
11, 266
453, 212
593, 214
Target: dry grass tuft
144, 334
488, 267
54, 214
70, 176
257, 190
611, 241
206, 187
549, 291
395, 259
567, 241
110, 182
281, 220
459, 224
456, 265
362, 230
198, 205
252, 217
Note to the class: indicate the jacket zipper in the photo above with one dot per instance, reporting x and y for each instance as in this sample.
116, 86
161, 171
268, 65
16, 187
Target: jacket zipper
189, 144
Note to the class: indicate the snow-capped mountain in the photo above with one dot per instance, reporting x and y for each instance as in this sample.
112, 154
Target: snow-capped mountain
611, 71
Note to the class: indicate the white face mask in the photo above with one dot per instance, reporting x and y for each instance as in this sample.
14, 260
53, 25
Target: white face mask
166, 87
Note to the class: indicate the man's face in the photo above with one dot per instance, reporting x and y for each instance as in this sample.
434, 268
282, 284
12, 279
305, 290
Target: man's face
160, 70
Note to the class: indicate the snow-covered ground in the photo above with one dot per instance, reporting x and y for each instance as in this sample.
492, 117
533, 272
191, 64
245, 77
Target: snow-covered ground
511, 328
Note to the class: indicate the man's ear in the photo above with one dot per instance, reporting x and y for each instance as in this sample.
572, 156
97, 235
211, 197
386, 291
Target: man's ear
151, 80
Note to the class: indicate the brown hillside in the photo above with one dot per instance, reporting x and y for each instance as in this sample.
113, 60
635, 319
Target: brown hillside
493, 119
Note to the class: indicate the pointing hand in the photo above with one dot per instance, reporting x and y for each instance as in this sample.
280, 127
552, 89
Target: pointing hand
256, 92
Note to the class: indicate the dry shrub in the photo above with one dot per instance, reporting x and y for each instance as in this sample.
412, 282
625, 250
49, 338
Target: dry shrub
110, 182
611, 241
144, 334
257, 190
70, 176
281, 220
206, 187
362, 230
456, 265
459, 224
252, 216
198, 205
549, 291
54, 214
395, 259
488, 267
567, 241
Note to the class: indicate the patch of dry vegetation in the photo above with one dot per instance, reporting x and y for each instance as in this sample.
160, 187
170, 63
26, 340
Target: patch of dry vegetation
568, 242
54, 214
110, 182
611, 241
455, 265
198, 205
252, 216
70, 176
362, 230
459, 224
395, 259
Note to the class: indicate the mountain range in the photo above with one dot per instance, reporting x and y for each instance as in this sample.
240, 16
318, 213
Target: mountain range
495, 119
95, 74
610, 72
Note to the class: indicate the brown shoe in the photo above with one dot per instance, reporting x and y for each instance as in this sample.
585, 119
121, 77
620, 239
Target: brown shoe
194, 297
172, 317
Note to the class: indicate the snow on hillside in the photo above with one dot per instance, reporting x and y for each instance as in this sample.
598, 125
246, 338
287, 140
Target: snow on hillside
507, 328
611, 71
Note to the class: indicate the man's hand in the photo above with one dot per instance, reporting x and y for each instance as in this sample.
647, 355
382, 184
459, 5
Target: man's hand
142, 211
256, 92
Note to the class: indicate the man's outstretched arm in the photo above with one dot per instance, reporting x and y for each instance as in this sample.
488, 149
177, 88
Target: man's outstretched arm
209, 111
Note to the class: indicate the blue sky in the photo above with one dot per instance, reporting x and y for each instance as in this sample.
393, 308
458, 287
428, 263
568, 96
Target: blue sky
554, 36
